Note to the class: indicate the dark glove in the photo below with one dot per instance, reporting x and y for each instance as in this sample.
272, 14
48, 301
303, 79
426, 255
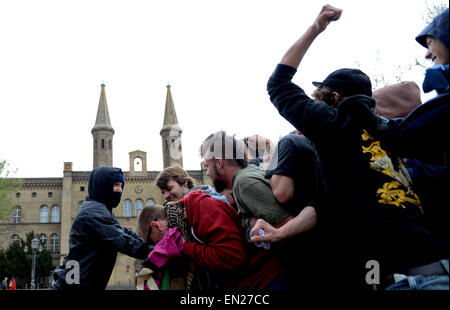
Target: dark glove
148, 264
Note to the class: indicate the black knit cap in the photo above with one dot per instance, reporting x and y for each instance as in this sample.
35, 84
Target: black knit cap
348, 82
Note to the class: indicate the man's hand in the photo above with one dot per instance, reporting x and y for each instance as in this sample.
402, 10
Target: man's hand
270, 232
258, 142
327, 15
296, 52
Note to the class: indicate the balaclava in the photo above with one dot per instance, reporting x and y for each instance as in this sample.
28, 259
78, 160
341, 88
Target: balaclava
101, 184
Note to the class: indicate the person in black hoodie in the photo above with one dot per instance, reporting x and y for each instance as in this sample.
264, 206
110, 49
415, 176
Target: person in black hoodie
96, 236
370, 212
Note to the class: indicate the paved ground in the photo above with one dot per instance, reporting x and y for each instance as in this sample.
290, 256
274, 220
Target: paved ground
120, 287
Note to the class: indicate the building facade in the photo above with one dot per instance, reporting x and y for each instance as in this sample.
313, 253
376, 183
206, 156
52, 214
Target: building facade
48, 206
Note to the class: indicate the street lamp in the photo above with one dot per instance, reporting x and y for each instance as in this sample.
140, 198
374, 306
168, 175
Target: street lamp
35, 247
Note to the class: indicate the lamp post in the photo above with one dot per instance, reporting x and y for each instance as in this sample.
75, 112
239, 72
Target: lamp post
35, 247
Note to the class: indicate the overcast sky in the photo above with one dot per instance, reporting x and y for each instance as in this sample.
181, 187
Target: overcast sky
216, 55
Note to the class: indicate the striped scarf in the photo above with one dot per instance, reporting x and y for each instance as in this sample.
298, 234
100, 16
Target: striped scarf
174, 213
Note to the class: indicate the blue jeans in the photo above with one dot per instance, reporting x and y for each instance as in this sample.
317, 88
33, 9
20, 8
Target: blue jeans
430, 282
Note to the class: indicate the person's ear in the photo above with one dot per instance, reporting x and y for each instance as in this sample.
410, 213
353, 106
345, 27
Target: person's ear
219, 163
335, 96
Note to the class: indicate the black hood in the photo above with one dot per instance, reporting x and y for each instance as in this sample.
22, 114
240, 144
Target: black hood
101, 183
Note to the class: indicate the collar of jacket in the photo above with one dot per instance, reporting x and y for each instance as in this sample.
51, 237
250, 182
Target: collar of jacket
357, 100
436, 78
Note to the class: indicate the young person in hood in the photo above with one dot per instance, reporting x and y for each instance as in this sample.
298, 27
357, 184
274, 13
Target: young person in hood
424, 138
425, 133
370, 211
96, 236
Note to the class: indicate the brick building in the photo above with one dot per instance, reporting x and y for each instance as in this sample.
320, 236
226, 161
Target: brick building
48, 206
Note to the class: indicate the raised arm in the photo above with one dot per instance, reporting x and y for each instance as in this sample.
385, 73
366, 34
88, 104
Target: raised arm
296, 52
313, 119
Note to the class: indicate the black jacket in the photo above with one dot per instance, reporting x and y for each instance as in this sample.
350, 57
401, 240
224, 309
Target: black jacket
368, 208
96, 236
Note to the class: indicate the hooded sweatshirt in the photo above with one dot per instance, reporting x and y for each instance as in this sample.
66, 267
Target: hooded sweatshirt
438, 28
96, 236
216, 225
100, 187
425, 133
424, 137
220, 244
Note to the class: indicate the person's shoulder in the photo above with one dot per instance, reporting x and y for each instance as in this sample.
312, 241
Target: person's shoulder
295, 141
93, 209
291, 139
248, 173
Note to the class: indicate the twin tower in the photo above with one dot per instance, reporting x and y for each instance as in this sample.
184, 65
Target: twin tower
103, 133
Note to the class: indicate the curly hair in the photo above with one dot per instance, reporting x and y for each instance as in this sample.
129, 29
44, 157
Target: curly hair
325, 94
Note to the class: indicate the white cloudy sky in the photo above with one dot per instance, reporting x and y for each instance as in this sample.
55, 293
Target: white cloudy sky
216, 54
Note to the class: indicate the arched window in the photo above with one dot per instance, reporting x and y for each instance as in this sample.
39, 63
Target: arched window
17, 215
43, 239
55, 214
138, 206
43, 214
138, 164
14, 239
127, 208
103, 144
150, 202
54, 243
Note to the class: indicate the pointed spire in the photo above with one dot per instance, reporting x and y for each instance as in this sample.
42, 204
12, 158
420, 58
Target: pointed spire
102, 120
170, 116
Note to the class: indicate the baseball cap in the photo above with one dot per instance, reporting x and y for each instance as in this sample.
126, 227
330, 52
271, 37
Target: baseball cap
348, 82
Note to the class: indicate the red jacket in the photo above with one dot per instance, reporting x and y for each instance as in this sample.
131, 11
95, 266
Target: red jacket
217, 225
12, 285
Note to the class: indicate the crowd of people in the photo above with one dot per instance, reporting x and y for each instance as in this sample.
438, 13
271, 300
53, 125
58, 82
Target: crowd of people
363, 179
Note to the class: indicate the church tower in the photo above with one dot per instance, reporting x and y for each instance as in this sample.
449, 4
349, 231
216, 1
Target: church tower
102, 134
171, 135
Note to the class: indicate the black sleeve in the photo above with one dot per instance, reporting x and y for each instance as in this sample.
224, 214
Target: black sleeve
314, 119
283, 160
125, 240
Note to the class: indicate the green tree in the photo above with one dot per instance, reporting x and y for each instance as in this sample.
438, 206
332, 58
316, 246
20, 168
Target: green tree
433, 10
8, 186
14, 261
17, 263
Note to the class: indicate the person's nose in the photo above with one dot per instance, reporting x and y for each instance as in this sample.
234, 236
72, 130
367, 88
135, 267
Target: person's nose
429, 54
166, 196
